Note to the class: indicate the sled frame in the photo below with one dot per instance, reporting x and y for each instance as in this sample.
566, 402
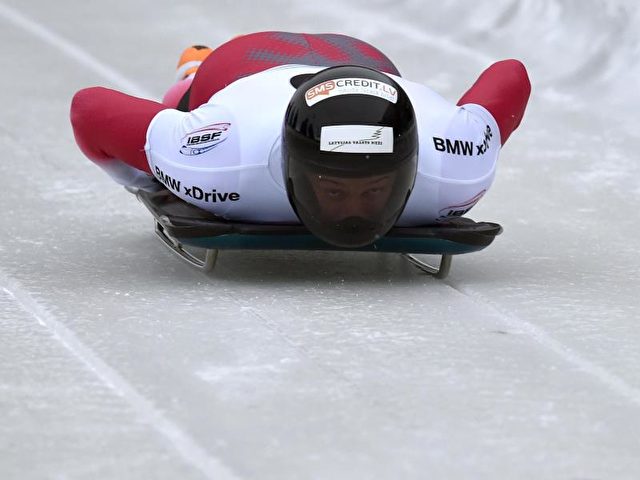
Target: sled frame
207, 262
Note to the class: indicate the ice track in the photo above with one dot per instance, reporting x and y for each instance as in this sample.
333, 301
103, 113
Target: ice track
117, 361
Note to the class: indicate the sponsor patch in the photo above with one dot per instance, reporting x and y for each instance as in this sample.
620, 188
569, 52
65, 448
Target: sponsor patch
204, 139
212, 196
197, 193
464, 147
356, 139
488, 135
460, 210
350, 86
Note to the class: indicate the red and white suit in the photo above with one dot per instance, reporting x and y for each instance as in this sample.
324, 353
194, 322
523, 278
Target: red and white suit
224, 154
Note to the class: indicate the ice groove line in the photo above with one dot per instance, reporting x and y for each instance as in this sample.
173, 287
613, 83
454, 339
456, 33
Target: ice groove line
72, 50
188, 449
611, 381
269, 324
406, 30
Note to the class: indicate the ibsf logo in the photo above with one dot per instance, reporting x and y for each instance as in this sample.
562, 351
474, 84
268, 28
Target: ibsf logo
204, 139
463, 208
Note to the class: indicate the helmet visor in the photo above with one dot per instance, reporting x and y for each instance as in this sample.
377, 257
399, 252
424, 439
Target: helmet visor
351, 211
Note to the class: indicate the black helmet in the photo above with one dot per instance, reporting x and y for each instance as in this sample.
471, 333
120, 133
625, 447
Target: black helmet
350, 146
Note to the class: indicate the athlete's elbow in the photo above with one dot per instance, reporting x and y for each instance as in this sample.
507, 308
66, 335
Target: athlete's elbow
84, 105
517, 75
84, 116
516, 91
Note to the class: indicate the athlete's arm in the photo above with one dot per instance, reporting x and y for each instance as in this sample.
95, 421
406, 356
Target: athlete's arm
503, 89
110, 125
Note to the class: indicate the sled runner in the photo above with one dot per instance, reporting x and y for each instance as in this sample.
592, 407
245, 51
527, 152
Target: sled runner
180, 225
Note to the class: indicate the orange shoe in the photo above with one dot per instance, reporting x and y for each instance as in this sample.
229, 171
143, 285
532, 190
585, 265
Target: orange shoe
190, 60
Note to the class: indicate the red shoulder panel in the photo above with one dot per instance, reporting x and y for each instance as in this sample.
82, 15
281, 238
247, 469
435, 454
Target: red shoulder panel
504, 90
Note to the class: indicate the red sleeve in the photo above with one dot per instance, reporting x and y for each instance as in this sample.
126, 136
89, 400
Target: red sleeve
111, 125
504, 90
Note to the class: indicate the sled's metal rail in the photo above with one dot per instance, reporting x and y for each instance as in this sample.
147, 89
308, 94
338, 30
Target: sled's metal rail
207, 262
441, 271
